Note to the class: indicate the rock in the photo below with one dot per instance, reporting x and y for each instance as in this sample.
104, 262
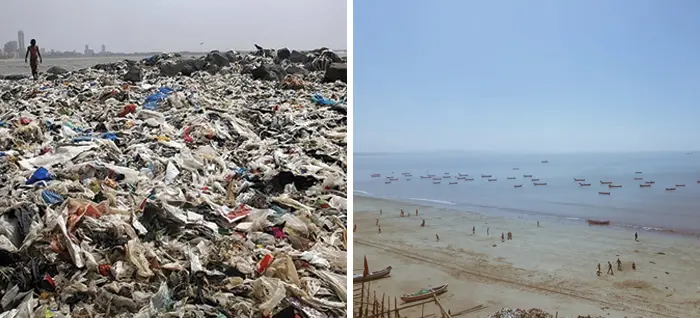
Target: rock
52, 77
297, 57
212, 69
336, 72
56, 70
268, 73
217, 58
283, 53
294, 69
170, 69
16, 77
233, 56
135, 74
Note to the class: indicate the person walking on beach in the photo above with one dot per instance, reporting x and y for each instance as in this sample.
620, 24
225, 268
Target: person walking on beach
599, 272
619, 265
422, 224
416, 212
377, 222
380, 230
510, 236
538, 223
610, 270
380, 212
437, 237
634, 267
488, 229
503, 238
34, 58
473, 230
636, 237
354, 228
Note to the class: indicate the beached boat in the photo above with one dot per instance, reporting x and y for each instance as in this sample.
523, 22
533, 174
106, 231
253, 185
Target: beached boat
436, 182
376, 175
539, 183
645, 185
510, 178
652, 182
469, 179
517, 185
535, 180
598, 222
577, 179
545, 161
424, 294
516, 168
454, 182
486, 176
359, 278
604, 193
614, 186
680, 185
605, 182
492, 180
584, 184
670, 189
527, 176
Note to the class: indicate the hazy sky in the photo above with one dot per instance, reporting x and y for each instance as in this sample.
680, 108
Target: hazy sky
174, 25
536, 75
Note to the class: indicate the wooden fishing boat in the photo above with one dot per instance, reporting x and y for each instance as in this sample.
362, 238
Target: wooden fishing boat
436, 182
652, 182
492, 180
424, 294
645, 185
535, 179
376, 175
387, 182
359, 278
545, 161
518, 186
614, 186
425, 177
577, 179
486, 176
540, 183
527, 176
680, 185
453, 182
461, 178
516, 168
408, 179
638, 172
446, 177
437, 178
431, 175
598, 222
394, 179
605, 182
670, 189
638, 178
604, 193
584, 184
510, 178
469, 179
463, 174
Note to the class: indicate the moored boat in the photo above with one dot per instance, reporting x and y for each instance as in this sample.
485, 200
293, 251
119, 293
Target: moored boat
517, 185
535, 179
598, 222
463, 174
577, 179
437, 178
652, 182
461, 178
680, 185
446, 177
670, 189
469, 179
376, 175
492, 180
638, 178
604, 193
584, 184
540, 183
527, 176
453, 182
486, 176
605, 182
545, 161
614, 186
436, 182
387, 182
516, 168
645, 185
359, 278
510, 178
638, 172
424, 294
425, 177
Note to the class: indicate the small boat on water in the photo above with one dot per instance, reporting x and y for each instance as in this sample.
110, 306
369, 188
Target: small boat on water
437, 178
604, 193
463, 174
436, 182
638, 178
387, 182
486, 176
359, 278
545, 161
431, 175
652, 182
492, 180
540, 183
606, 182
535, 179
408, 179
680, 185
376, 175
461, 178
469, 179
527, 176
638, 172
584, 184
394, 179
516, 168
425, 177
517, 185
446, 177
454, 182
614, 186
598, 222
698, 181
510, 178
424, 294
577, 179
645, 185
670, 189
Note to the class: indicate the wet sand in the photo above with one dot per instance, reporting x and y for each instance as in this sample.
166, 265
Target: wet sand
551, 267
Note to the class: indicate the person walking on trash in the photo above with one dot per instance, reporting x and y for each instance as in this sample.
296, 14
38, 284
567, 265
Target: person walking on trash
34, 58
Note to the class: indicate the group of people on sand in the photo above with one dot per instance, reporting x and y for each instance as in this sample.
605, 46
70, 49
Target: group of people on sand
610, 268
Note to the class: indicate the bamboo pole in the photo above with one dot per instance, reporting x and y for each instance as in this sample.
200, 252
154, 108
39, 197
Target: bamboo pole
396, 305
442, 309
422, 311
403, 307
382, 311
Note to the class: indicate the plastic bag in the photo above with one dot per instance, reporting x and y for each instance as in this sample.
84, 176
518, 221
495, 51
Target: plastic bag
41, 174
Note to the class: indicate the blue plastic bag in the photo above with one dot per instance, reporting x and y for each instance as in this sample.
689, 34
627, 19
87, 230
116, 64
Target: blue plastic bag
110, 136
40, 174
318, 99
51, 197
166, 90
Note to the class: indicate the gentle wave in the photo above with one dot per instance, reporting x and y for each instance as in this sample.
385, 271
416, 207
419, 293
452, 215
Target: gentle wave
362, 192
434, 201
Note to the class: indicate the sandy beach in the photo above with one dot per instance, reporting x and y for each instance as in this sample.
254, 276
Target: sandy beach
552, 267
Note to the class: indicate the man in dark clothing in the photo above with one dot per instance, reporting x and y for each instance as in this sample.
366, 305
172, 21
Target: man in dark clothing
619, 265
473, 229
610, 270
34, 58
636, 237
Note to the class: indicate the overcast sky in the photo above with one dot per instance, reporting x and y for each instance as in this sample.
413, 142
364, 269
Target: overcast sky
176, 25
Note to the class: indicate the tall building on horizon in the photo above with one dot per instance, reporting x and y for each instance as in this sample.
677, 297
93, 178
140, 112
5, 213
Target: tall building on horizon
104, 49
11, 48
20, 40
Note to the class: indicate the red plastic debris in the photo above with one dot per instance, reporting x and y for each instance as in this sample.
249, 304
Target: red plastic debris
265, 263
105, 269
128, 109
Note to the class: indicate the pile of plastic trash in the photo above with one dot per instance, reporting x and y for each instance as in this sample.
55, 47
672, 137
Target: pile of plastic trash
218, 190
525, 313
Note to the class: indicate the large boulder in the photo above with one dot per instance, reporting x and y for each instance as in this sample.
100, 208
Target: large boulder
217, 58
283, 53
297, 57
268, 73
336, 72
56, 70
134, 74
